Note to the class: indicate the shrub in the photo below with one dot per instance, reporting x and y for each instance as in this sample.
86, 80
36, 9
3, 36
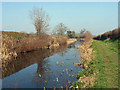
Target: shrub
84, 62
79, 75
110, 34
78, 84
82, 73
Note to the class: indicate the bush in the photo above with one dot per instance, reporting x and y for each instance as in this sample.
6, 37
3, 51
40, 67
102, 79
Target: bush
84, 62
87, 71
82, 73
78, 84
110, 34
79, 75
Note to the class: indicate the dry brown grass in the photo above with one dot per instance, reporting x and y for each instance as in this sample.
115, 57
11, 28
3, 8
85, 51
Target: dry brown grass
58, 39
14, 43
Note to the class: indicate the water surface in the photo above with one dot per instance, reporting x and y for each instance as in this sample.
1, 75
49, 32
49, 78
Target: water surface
41, 68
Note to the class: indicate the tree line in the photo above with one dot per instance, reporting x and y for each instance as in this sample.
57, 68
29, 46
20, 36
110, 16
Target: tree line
40, 20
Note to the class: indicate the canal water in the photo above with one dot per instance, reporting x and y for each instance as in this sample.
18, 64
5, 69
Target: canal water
51, 68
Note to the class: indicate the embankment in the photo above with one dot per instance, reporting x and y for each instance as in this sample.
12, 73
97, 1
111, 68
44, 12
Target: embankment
102, 68
14, 43
86, 76
100, 63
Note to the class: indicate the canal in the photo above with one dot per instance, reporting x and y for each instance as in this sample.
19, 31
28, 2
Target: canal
49, 68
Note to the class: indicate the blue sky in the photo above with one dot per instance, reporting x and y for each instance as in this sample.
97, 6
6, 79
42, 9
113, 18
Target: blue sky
97, 17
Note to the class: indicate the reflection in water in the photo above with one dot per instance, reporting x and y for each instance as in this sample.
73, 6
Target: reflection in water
71, 45
26, 59
44, 68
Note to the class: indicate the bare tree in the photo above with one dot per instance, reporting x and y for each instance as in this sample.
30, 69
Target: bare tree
61, 29
40, 20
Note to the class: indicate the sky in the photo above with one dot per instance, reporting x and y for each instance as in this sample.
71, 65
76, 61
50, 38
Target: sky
96, 17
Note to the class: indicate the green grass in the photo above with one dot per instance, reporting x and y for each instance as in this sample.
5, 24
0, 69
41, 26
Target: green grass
106, 63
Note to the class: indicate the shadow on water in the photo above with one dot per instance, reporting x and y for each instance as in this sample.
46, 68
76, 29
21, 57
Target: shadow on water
26, 59
44, 68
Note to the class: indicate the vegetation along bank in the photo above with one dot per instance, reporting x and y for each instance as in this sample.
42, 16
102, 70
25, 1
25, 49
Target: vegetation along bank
15, 42
100, 62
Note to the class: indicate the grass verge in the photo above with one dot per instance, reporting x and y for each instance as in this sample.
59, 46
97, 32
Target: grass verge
104, 64
106, 57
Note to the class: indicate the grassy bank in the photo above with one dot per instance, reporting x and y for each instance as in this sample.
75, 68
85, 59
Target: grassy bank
106, 62
103, 68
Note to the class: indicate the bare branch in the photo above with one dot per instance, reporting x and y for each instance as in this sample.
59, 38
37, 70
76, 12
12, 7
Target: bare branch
61, 29
40, 20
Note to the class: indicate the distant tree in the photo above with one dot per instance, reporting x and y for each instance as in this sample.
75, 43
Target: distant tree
54, 31
61, 29
69, 34
40, 20
87, 36
73, 33
83, 31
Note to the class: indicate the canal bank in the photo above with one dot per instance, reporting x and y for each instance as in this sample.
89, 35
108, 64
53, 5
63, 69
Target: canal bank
14, 43
102, 70
86, 76
106, 61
